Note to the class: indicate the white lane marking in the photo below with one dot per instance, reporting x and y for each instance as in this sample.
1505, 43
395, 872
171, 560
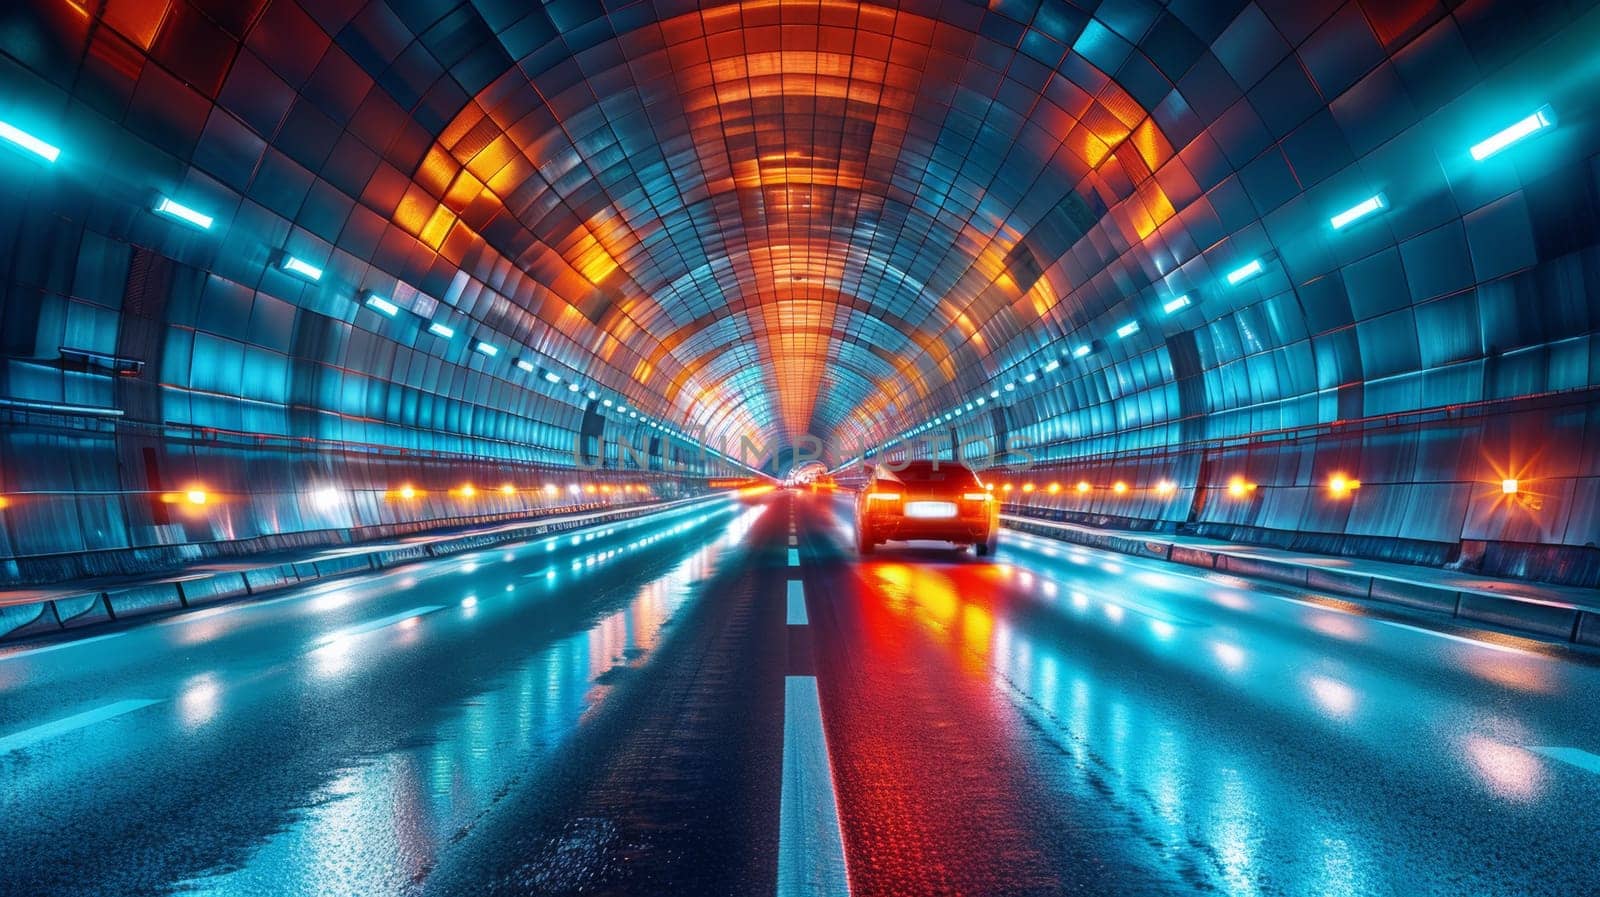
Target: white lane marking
1579, 758
19, 655
794, 557
793, 541
340, 635
29, 737
811, 859
797, 603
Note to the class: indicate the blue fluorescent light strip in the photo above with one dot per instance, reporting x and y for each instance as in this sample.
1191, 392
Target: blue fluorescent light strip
1081, 351
1128, 329
1540, 120
1244, 272
1178, 304
488, 349
525, 365
552, 376
23, 140
303, 268
183, 213
1052, 366
374, 301
1358, 211
441, 330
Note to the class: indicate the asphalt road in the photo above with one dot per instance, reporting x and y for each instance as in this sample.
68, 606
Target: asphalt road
726, 700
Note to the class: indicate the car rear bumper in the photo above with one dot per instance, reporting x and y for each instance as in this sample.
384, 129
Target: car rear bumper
901, 529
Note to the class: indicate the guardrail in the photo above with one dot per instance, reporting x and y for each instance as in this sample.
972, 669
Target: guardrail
68, 609
1503, 607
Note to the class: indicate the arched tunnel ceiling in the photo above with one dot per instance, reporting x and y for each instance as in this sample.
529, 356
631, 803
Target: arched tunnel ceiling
770, 218
760, 187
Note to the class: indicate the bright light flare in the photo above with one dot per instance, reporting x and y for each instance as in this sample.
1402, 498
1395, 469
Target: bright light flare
23, 140
196, 496
1244, 272
1166, 487
1239, 487
1083, 487
1358, 211
300, 267
1119, 487
1510, 487
380, 304
326, 498
181, 212
1542, 119
1340, 485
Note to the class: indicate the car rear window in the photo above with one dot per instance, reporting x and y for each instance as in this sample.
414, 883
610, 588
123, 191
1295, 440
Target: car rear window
926, 472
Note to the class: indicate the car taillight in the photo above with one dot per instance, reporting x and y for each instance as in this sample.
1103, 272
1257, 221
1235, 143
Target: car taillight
883, 496
975, 496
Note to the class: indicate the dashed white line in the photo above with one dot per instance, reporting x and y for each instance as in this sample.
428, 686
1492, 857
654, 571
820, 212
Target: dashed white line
373, 626
810, 844
1574, 756
29, 737
21, 655
797, 603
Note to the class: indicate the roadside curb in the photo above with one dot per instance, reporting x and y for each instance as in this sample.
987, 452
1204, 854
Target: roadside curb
1525, 615
179, 591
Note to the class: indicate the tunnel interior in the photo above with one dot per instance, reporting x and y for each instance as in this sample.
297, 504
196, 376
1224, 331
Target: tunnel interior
1305, 273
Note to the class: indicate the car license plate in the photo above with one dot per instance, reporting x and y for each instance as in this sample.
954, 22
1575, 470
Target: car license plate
927, 509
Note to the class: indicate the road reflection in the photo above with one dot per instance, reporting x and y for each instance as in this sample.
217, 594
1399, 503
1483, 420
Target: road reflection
379, 824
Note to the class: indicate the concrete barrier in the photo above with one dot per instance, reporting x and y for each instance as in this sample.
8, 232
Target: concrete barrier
1414, 594
1521, 614
344, 565
1193, 557
19, 620
397, 556
206, 588
1339, 582
1589, 628
151, 598
265, 579
82, 610
1550, 620
1261, 568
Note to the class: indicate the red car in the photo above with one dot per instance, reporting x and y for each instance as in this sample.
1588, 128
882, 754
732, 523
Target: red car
938, 500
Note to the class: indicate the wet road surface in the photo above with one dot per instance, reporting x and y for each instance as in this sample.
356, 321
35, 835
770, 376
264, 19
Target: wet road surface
725, 700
